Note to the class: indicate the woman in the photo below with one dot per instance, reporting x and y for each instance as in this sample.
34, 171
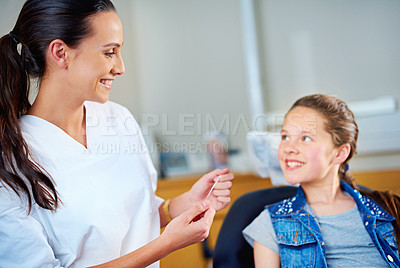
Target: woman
329, 222
77, 183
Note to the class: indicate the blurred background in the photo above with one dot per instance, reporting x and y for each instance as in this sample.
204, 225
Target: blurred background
205, 70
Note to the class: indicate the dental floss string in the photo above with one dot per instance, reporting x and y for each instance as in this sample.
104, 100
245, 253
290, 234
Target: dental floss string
212, 188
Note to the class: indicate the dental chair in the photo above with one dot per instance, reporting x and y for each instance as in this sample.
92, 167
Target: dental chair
232, 250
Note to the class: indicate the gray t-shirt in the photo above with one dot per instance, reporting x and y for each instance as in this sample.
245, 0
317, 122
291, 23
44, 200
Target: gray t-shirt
347, 243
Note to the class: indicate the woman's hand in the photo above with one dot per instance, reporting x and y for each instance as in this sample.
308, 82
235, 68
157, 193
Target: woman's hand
192, 226
220, 195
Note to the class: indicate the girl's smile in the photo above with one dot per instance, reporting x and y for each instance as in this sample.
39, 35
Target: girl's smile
293, 164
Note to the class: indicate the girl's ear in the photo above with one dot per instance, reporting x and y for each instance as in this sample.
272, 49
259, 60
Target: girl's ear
58, 53
342, 153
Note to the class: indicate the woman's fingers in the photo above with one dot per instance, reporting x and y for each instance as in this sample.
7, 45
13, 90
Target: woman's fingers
225, 177
192, 226
224, 199
223, 185
221, 193
213, 175
196, 212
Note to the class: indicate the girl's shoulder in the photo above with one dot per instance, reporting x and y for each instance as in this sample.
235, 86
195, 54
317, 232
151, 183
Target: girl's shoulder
285, 206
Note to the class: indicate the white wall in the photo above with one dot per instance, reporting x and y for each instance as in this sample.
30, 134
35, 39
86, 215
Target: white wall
346, 48
9, 12
189, 64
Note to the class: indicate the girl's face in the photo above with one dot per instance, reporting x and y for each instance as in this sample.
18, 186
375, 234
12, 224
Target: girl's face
306, 151
95, 63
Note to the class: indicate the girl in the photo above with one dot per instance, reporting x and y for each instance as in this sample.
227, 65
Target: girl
329, 222
76, 180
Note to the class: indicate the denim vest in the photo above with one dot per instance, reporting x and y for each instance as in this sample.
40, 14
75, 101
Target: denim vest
300, 238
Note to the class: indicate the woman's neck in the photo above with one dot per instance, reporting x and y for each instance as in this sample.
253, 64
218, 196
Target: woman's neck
62, 111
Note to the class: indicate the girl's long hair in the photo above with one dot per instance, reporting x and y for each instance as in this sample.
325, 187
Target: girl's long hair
22, 57
340, 123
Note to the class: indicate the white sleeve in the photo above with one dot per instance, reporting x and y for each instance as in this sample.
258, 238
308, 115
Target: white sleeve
23, 241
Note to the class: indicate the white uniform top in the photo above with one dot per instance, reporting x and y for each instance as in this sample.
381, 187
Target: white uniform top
107, 191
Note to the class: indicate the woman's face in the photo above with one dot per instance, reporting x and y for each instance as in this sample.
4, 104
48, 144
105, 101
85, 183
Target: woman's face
306, 151
96, 62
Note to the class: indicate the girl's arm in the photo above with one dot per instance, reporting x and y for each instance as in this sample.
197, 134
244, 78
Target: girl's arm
264, 257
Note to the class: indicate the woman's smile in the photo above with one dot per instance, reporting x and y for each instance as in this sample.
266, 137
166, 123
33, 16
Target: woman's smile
106, 83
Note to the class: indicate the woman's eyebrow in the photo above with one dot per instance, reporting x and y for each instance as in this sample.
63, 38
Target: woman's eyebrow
113, 44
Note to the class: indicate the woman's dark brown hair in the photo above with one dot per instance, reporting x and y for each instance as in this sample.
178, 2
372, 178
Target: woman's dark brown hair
340, 123
22, 57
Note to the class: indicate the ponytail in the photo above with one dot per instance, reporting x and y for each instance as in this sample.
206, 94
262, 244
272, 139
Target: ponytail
17, 169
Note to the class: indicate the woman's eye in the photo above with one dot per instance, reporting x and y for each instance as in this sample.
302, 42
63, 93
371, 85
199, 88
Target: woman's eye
110, 54
284, 137
306, 138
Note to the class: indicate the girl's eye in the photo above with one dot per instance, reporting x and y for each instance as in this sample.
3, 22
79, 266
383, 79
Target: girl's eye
284, 137
306, 138
110, 54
